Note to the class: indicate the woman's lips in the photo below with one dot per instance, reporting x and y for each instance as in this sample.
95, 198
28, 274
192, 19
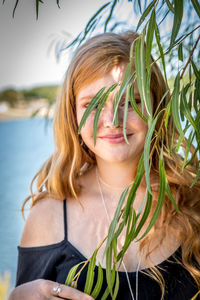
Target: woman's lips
115, 138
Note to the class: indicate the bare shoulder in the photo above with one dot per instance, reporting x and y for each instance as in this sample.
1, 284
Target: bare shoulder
44, 225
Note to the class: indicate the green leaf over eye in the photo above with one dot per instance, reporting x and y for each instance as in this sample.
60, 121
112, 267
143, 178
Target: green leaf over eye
100, 105
90, 108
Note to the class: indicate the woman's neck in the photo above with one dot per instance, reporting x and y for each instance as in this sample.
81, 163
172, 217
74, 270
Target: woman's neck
116, 175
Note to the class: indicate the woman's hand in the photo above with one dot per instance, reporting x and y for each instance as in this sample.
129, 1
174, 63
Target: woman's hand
41, 289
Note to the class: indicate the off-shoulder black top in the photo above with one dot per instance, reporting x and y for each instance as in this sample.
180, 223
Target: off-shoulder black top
53, 262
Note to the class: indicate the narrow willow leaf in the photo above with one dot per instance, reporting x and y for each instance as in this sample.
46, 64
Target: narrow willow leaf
58, 3
145, 13
175, 104
99, 283
132, 193
109, 269
115, 219
110, 15
178, 14
16, 3
195, 179
168, 113
126, 80
126, 113
186, 109
90, 108
95, 16
180, 52
157, 34
196, 6
161, 195
147, 146
90, 274
107, 291
145, 214
134, 104
170, 196
142, 79
162, 99
196, 99
189, 143
119, 229
170, 6
196, 71
149, 39
116, 289
104, 97
71, 274
128, 237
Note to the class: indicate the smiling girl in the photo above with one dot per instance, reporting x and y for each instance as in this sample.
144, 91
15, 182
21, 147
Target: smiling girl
79, 187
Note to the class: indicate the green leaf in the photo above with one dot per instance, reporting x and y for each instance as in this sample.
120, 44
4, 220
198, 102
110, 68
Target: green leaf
115, 219
16, 3
178, 14
143, 79
90, 108
58, 3
149, 39
195, 179
134, 104
145, 214
126, 113
161, 195
90, 274
109, 269
132, 193
145, 13
196, 6
99, 283
110, 15
170, 196
147, 146
126, 80
175, 104
196, 71
170, 6
103, 99
116, 289
71, 274
186, 109
189, 143
157, 33
180, 52
107, 291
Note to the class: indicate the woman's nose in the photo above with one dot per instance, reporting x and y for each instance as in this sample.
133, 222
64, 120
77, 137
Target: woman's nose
107, 117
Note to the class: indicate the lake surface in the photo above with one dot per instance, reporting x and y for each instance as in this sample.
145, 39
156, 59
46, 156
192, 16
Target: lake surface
24, 146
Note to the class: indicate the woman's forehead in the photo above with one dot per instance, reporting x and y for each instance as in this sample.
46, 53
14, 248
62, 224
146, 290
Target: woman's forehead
114, 76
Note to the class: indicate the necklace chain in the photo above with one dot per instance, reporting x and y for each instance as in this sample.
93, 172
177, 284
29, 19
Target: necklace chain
109, 220
109, 185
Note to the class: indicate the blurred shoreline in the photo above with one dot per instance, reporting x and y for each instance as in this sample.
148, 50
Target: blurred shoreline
36, 108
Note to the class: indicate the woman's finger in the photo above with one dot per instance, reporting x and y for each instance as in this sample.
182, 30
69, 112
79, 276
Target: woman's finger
66, 292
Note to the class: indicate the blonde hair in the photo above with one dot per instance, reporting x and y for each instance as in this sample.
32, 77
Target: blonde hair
58, 177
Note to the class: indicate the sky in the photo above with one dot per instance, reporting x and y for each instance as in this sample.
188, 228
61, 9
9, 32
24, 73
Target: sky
24, 41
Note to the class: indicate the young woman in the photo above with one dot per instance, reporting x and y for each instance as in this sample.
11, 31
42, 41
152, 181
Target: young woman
80, 184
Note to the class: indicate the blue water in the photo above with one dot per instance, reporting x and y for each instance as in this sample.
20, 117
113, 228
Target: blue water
24, 146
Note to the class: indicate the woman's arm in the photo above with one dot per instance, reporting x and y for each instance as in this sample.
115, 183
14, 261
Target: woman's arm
41, 289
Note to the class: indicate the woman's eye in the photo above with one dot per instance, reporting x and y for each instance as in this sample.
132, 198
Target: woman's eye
94, 108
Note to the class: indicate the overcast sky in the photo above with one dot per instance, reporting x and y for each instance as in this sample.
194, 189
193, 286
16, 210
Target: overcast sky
24, 41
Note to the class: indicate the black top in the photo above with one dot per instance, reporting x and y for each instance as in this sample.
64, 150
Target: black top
53, 262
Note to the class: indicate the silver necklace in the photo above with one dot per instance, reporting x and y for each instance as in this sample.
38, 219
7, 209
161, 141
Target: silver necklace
109, 220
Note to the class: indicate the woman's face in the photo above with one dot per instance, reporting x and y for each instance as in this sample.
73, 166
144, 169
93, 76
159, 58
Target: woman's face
110, 144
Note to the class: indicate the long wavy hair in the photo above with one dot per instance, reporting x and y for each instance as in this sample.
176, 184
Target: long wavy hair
58, 177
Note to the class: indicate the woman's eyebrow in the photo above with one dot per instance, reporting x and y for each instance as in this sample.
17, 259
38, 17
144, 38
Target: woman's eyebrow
88, 97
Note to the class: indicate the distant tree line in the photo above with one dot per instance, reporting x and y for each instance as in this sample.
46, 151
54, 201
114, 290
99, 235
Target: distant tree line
13, 97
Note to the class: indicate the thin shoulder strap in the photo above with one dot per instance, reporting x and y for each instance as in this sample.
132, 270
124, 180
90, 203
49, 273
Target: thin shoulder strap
65, 218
